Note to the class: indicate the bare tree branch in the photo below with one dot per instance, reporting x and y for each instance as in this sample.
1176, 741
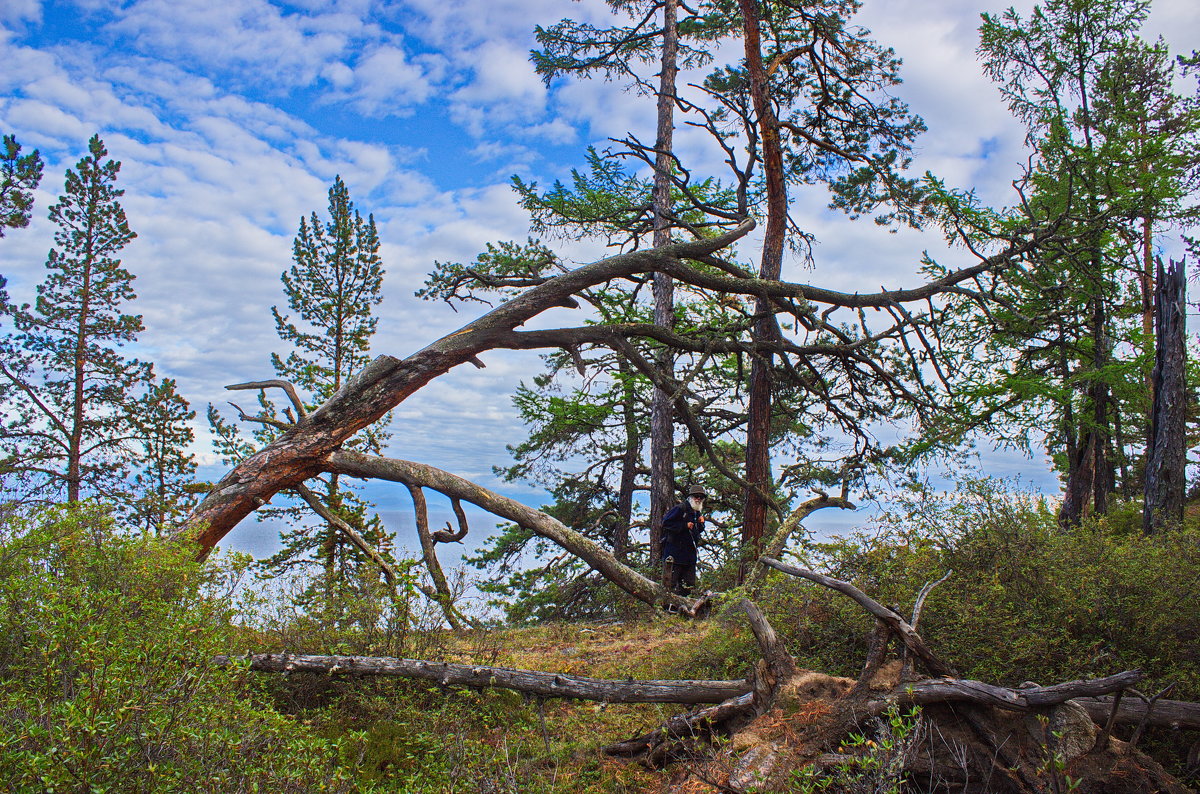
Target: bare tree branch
287, 387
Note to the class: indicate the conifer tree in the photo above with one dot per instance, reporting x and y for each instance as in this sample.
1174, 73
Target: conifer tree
332, 289
1117, 157
164, 486
19, 177
67, 423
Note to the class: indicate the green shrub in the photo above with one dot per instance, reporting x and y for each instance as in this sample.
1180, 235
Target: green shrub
106, 674
1027, 600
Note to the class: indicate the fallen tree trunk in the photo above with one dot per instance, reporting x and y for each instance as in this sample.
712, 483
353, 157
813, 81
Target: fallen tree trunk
1134, 711
551, 685
957, 690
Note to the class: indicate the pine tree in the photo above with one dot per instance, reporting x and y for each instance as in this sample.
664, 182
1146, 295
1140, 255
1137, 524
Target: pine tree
19, 177
68, 425
332, 288
164, 487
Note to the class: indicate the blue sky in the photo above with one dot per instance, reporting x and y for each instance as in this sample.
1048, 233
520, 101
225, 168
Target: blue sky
232, 117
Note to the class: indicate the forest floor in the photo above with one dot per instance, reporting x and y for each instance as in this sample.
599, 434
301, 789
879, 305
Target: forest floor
418, 737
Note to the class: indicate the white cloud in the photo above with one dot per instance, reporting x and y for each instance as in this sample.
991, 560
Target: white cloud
282, 49
16, 12
385, 82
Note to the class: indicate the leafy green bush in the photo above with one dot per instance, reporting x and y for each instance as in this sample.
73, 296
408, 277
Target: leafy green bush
106, 674
1027, 600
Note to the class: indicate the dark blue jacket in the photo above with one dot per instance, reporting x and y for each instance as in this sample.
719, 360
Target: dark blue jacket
679, 542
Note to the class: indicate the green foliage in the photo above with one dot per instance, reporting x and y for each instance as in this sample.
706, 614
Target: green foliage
332, 289
1067, 335
68, 417
1027, 601
875, 759
164, 489
19, 177
106, 675
580, 48
505, 268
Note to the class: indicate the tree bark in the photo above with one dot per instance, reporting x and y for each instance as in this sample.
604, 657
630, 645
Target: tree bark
1134, 711
441, 587
952, 690
758, 421
557, 685
1166, 456
779, 540
412, 474
907, 634
662, 412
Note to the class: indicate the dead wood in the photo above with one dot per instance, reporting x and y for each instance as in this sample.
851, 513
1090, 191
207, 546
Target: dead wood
541, 684
441, 587
449, 535
961, 690
454, 617
355, 464
675, 738
788, 527
1134, 711
899, 625
779, 661
387, 381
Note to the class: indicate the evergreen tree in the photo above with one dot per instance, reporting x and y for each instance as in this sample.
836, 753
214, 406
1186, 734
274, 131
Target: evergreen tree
332, 289
833, 123
164, 487
19, 177
1071, 334
68, 423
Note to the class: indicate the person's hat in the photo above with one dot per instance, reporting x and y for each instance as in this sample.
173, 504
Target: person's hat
697, 490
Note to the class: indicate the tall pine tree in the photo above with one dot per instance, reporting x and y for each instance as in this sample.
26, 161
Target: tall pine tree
332, 289
67, 423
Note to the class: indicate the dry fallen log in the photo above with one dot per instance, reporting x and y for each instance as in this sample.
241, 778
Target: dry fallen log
662, 745
1132, 711
556, 685
951, 690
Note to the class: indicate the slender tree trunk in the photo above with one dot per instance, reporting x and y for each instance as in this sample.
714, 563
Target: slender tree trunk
629, 468
75, 442
1147, 268
1166, 451
758, 428
662, 425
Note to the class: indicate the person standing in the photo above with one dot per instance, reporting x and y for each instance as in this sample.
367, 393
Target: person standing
682, 528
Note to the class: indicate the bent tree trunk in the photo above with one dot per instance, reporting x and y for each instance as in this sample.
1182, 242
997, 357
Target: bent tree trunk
416, 475
302, 451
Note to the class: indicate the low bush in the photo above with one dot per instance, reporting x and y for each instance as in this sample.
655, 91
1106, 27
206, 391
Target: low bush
106, 674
